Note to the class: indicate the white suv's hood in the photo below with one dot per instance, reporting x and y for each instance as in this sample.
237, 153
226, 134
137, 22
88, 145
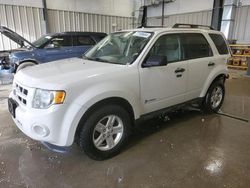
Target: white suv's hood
62, 72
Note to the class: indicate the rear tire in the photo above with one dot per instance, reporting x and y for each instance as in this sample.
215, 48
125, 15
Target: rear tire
24, 65
214, 97
105, 132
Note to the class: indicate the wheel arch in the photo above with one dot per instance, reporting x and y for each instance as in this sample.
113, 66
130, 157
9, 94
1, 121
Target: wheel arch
220, 76
111, 100
207, 102
28, 60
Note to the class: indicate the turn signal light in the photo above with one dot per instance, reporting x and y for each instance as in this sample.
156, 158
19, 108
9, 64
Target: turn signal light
59, 97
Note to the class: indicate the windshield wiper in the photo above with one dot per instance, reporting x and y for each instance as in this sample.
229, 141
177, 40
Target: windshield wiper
96, 59
88, 58
102, 60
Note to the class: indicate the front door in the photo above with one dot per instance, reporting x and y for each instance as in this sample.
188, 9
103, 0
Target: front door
59, 48
164, 86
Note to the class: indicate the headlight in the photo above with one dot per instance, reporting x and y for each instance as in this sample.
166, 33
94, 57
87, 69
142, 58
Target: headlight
45, 98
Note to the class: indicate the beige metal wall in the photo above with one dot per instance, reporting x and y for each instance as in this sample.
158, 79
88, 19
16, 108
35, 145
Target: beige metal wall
241, 31
28, 22
24, 20
202, 18
60, 20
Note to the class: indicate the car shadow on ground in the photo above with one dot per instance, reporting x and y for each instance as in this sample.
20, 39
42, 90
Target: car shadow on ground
152, 126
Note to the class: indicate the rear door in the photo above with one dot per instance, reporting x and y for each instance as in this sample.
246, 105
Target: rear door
81, 43
199, 55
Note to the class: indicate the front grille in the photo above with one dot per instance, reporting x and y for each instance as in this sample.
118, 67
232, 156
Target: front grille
21, 93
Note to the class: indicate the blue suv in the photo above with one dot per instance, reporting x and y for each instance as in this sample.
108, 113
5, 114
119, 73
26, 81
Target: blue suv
48, 48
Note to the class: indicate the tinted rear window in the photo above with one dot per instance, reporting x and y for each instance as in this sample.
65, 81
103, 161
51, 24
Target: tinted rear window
219, 43
99, 37
83, 40
195, 46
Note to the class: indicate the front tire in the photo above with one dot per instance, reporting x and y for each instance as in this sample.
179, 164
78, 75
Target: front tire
214, 97
105, 132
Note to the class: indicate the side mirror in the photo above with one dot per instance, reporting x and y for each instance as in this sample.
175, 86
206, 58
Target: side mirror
153, 61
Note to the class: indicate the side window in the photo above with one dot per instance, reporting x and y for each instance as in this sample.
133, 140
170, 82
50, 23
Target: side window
83, 40
61, 41
219, 43
169, 46
195, 46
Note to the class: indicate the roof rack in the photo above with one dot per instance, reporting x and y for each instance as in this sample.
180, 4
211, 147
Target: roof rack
155, 26
181, 25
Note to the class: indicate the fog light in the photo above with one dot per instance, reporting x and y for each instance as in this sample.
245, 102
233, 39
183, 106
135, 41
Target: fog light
40, 130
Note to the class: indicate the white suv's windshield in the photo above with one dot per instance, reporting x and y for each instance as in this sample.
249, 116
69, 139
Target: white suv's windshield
119, 48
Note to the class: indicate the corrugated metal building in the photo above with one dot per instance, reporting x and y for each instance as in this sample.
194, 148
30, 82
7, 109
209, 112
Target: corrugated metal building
29, 22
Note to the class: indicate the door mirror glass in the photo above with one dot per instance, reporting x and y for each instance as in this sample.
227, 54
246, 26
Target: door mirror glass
155, 60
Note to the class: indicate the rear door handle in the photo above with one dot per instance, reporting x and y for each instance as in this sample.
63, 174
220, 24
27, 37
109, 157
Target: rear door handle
211, 64
178, 70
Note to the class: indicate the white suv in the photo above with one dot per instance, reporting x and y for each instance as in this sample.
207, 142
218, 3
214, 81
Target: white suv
128, 76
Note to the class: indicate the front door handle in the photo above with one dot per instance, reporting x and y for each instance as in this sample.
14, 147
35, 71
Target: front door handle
211, 64
178, 70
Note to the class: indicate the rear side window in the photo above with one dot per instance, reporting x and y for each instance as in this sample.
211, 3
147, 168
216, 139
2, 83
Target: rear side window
219, 43
195, 46
83, 40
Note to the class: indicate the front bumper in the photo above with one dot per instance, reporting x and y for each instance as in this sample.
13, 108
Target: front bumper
45, 125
